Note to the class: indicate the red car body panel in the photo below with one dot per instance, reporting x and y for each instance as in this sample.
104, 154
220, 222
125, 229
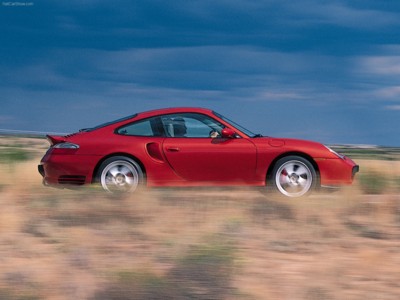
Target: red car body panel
187, 161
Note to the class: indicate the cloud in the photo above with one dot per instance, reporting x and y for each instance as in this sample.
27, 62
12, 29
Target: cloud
392, 107
125, 24
381, 65
196, 68
379, 72
315, 62
5, 119
339, 14
392, 92
155, 76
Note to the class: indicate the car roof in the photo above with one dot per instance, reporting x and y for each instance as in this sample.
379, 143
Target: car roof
172, 110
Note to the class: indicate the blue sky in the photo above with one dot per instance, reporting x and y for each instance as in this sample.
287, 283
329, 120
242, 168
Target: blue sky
322, 70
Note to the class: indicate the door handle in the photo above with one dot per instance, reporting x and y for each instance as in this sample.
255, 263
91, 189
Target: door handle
173, 149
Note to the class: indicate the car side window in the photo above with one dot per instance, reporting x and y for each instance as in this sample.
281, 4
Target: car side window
147, 127
191, 125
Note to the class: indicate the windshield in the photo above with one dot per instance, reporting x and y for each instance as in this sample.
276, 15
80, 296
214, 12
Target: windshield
108, 123
241, 128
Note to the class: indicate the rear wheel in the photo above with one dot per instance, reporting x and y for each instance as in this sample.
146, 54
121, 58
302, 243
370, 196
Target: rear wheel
120, 174
293, 176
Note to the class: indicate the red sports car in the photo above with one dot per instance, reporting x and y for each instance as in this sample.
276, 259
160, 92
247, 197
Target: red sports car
190, 147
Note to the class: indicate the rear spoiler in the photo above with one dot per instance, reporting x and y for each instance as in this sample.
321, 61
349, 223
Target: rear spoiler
55, 139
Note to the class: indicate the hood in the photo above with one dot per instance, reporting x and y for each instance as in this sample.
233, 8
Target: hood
314, 149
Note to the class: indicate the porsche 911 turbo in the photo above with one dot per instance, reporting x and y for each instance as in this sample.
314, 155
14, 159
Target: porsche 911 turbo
182, 147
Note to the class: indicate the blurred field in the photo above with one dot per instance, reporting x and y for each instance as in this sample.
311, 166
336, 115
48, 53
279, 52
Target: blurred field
196, 243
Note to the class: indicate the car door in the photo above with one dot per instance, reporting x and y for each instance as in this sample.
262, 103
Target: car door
195, 156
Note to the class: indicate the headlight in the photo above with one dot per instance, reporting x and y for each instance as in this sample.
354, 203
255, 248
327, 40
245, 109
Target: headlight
334, 152
66, 145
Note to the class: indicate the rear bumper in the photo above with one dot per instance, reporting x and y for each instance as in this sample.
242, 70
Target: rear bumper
62, 179
41, 170
67, 169
43, 174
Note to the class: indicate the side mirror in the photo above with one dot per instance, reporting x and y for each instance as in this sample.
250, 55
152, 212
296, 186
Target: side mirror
228, 133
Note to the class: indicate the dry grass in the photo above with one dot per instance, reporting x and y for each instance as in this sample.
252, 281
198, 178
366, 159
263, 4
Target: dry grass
195, 244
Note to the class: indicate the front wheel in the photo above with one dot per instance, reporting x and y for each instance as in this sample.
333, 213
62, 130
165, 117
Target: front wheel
120, 174
293, 176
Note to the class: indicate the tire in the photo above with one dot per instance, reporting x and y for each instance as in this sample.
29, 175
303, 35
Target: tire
119, 175
293, 176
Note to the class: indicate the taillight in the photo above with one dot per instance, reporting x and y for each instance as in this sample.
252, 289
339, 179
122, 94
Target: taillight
66, 145
64, 148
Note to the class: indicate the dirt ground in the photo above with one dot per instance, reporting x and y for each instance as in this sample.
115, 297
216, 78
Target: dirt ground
194, 243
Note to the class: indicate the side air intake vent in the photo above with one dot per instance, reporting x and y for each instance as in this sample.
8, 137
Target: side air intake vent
71, 179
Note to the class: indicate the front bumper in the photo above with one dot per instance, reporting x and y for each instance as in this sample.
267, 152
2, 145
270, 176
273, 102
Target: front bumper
338, 171
355, 170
